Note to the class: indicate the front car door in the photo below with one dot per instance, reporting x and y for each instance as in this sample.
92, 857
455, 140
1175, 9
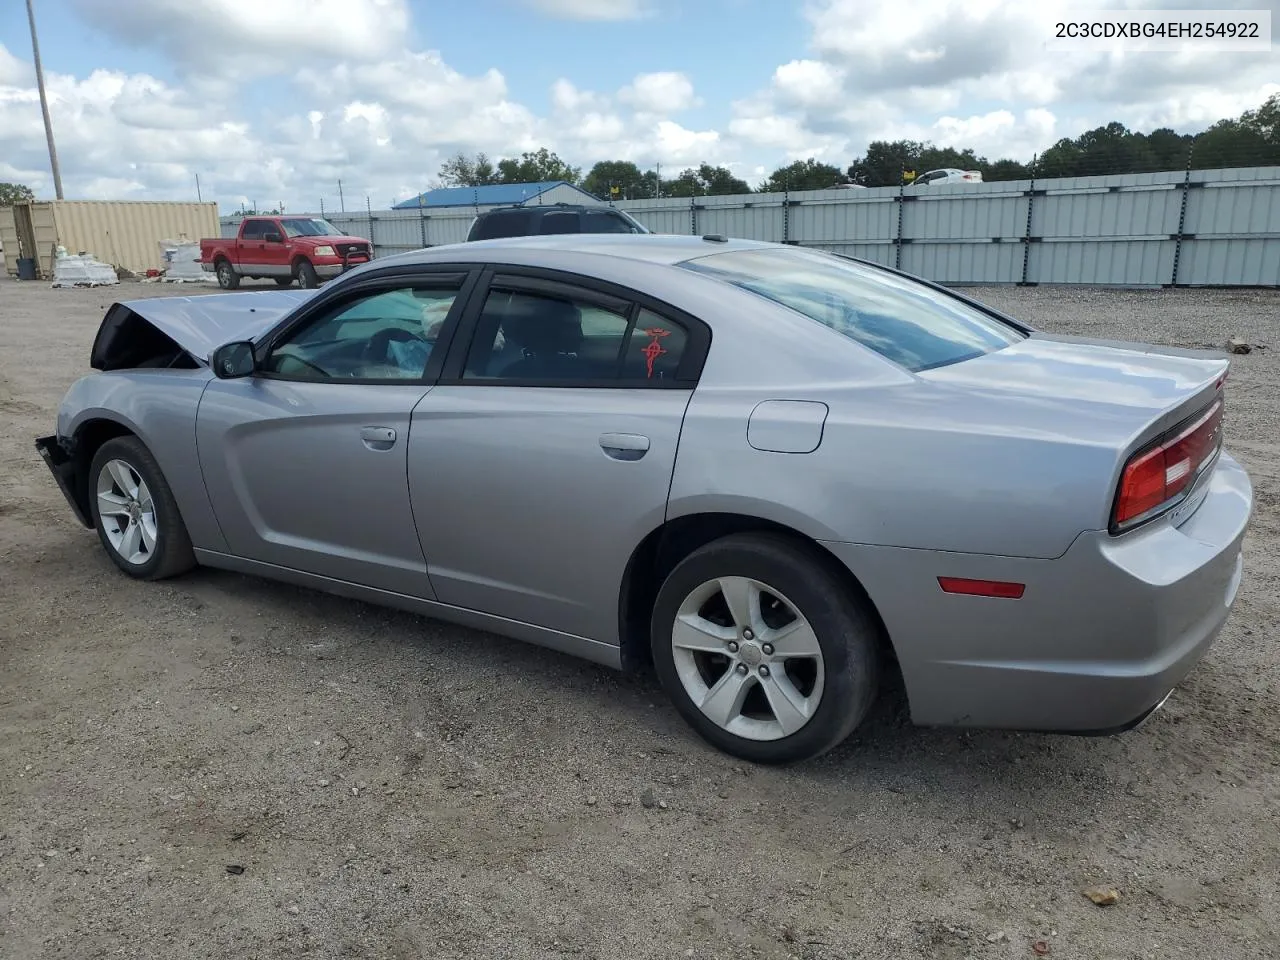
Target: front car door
251, 248
545, 453
305, 462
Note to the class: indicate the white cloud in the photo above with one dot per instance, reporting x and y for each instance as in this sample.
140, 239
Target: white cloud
590, 9
354, 97
257, 38
12, 70
659, 93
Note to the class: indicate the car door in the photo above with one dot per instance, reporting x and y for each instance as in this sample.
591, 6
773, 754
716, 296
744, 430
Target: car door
275, 250
305, 461
545, 453
252, 247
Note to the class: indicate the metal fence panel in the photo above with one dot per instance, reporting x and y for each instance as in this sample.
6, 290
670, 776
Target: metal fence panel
1199, 227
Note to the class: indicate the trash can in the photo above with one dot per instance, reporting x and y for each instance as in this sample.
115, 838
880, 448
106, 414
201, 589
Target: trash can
26, 268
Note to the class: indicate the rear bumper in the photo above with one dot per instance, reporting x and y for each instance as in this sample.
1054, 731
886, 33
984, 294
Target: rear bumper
1100, 637
60, 463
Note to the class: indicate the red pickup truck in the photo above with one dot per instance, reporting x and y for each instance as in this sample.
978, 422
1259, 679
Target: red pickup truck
306, 249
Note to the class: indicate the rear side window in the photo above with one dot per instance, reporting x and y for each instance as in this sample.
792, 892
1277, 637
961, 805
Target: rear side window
907, 322
560, 223
254, 229
514, 223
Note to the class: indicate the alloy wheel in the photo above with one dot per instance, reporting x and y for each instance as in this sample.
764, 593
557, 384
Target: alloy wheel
127, 512
748, 658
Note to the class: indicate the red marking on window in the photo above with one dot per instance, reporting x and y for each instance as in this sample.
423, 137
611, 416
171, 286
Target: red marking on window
653, 349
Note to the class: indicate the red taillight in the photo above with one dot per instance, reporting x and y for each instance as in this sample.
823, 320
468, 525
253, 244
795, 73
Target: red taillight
1157, 476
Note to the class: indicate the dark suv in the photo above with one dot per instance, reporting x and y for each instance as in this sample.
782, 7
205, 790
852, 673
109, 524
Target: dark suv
532, 221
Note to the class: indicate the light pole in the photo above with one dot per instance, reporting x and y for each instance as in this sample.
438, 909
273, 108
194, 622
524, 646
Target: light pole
44, 103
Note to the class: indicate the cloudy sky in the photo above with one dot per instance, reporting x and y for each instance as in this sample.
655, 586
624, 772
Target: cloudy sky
277, 100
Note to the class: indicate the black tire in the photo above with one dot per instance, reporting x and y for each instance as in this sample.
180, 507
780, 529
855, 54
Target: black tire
284, 281
173, 554
848, 635
228, 279
307, 275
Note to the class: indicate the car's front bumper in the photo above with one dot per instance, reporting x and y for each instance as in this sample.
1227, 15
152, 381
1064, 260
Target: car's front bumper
1099, 638
63, 467
328, 269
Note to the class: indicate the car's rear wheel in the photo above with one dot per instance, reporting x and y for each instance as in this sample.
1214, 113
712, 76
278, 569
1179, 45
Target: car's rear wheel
307, 275
228, 279
135, 513
764, 650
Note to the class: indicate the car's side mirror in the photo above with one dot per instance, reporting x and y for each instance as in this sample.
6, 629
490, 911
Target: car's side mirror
275, 238
233, 360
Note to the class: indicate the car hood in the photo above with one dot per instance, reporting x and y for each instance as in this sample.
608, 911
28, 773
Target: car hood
329, 241
197, 324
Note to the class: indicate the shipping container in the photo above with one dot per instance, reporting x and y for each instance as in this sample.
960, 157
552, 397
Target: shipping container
124, 233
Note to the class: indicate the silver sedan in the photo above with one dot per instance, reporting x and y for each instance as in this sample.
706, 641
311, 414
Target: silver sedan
772, 473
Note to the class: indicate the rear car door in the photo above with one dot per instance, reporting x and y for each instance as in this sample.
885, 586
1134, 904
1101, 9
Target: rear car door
305, 461
544, 455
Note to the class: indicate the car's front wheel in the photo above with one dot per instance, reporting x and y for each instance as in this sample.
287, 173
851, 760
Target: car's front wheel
135, 513
307, 275
764, 650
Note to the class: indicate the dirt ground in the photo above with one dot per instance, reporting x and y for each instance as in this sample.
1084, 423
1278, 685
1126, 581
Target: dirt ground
394, 787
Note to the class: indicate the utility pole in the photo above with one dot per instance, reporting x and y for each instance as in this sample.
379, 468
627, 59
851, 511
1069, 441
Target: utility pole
199, 199
342, 203
44, 103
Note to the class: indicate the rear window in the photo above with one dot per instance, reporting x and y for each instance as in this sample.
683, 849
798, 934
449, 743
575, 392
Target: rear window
494, 225
915, 326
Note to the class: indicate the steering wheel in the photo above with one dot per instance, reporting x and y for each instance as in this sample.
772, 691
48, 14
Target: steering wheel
376, 349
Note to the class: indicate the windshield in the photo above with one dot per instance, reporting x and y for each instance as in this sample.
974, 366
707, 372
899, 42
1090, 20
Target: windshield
915, 326
309, 227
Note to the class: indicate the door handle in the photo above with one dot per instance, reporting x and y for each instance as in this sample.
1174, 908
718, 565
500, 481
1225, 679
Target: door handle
378, 438
624, 446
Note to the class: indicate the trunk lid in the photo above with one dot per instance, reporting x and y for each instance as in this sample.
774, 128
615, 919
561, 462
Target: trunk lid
1098, 391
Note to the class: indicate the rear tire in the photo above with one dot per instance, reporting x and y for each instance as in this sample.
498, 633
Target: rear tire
228, 279
307, 275
764, 650
141, 529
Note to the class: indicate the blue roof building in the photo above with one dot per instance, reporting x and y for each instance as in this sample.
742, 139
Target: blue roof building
500, 195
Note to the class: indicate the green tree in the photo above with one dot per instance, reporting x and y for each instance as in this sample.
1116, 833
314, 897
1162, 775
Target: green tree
536, 167
461, 170
802, 175
704, 181
623, 174
11, 193
884, 162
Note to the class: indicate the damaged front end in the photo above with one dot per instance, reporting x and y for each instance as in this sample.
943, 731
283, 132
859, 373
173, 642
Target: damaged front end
59, 456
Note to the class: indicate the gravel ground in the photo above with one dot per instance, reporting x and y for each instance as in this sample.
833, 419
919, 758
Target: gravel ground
394, 787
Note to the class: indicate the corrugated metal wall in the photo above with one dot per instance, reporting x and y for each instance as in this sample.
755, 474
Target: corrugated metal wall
123, 233
1202, 227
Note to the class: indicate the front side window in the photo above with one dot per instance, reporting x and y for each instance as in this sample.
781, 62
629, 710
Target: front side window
383, 336
528, 336
606, 222
915, 326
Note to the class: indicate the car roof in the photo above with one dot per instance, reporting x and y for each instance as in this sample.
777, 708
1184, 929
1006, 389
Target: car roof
648, 247
547, 208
